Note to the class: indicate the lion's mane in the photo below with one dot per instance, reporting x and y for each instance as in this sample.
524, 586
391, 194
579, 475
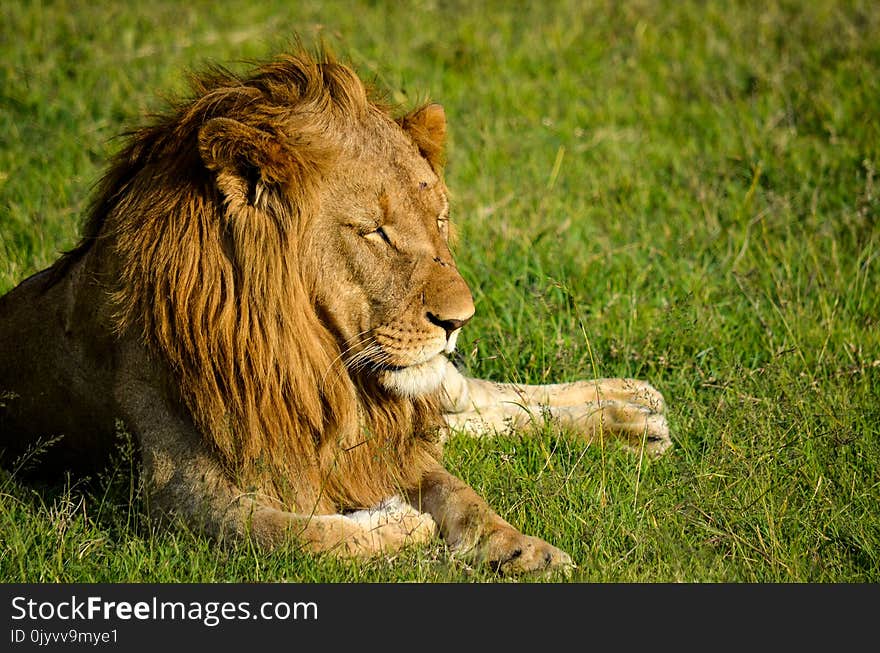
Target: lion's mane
221, 286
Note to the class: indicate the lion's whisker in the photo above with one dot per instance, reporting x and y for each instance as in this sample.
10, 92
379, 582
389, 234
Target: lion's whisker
346, 347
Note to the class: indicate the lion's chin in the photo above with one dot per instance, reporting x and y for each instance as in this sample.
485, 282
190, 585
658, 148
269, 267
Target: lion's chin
415, 380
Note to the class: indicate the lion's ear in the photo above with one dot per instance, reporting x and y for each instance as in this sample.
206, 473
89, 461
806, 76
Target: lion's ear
244, 158
427, 127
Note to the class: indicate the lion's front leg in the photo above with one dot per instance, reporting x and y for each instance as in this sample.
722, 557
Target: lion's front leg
350, 536
464, 394
627, 410
473, 529
632, 425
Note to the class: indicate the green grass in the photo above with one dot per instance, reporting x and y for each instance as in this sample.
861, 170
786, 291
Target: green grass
687, 189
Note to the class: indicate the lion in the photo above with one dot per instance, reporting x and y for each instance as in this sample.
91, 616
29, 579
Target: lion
265, 299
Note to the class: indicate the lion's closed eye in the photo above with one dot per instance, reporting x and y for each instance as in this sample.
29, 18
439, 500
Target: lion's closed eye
379, 235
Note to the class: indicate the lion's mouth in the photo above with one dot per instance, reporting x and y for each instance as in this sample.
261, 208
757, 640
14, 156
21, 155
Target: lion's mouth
391, 367
414, 380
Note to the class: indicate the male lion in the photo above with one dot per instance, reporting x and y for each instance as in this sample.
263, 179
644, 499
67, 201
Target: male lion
263, 296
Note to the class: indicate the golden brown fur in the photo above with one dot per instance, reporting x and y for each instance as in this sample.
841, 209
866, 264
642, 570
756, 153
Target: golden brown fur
248, 379
264, 295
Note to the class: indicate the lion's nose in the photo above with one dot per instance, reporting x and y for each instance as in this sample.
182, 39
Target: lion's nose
451, 324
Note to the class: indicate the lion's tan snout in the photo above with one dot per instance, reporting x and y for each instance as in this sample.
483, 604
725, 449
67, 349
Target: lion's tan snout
451, 304
449, 324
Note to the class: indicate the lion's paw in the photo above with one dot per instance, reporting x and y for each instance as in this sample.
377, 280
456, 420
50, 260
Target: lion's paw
641, 427
641, 392
510, 552
637, 426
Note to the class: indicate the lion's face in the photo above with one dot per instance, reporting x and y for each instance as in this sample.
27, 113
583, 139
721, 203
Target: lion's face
386, 282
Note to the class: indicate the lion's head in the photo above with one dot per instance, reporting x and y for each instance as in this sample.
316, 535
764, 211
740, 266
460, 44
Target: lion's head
280, 242
374, 251
385, 283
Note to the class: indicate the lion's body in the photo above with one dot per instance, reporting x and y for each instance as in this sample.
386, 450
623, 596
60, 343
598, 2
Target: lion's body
52, 357
263, 297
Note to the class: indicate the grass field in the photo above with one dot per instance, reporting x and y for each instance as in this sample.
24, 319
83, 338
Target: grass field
688, 191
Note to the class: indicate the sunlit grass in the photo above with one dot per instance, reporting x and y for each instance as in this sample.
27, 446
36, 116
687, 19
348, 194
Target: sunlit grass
687, 190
